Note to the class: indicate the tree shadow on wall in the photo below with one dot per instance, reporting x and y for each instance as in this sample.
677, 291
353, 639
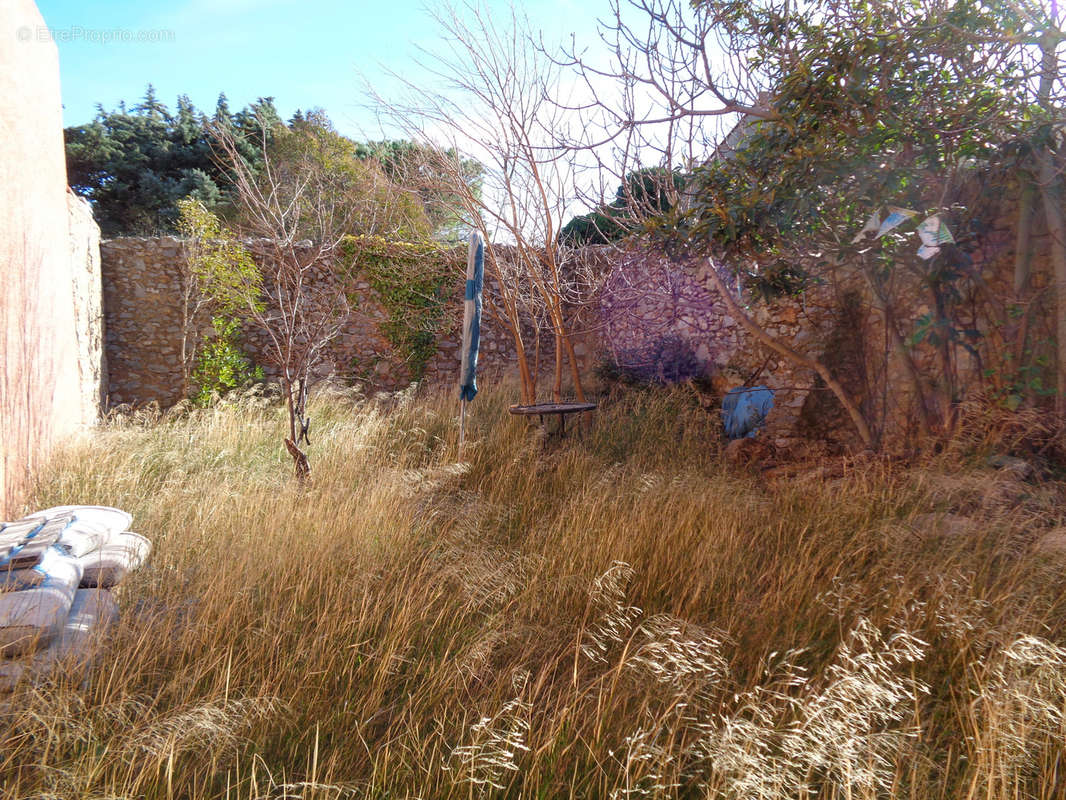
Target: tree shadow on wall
663, 361
822, 417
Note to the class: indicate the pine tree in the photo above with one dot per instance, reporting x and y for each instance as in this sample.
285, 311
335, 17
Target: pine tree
151, 107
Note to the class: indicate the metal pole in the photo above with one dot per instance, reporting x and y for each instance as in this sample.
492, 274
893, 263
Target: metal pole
462, 426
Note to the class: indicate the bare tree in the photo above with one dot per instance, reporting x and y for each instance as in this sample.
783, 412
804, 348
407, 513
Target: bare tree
193, 303
667, 82
494, 109
297, 212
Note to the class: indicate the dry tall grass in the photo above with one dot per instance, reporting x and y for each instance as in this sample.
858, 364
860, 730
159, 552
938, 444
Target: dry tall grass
615, 615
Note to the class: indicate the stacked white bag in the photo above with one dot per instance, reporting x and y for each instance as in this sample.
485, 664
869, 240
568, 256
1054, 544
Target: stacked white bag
54, 611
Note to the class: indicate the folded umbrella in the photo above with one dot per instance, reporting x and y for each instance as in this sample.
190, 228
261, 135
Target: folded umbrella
475, 280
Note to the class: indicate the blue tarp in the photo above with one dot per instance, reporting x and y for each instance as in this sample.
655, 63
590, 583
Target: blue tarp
744, 410
475, 280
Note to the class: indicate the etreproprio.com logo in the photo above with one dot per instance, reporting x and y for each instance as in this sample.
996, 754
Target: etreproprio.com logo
77, 33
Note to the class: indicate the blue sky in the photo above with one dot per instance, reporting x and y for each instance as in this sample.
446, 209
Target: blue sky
306, 53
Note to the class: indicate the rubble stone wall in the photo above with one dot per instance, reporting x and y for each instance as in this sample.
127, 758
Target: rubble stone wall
145, 286
649, 305
144, 298
636, 311
649, 315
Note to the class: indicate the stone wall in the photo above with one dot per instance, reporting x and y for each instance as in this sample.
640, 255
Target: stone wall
635, 302
145, 301
46, 370
637, 312
648, 314
653, 319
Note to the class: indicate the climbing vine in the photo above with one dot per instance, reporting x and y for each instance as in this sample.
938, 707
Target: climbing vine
411, 280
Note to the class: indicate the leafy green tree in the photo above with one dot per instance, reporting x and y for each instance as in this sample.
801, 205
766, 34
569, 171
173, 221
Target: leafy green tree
418, 167
845, 108
151, 107
222, 112
134, 165
645, 192
221, 265
922, 106
222, 364
373, 202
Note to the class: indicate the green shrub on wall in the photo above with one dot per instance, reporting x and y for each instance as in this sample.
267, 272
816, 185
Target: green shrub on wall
222, 275
412, 280
222, 365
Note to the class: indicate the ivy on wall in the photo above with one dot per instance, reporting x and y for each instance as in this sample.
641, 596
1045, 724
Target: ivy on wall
412, 280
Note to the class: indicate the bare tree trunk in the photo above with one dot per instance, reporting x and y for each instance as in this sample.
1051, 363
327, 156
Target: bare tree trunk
513, 320
190, 335
1051, 192
563, 346
557, 384
299, 458
186, 354
852, 409
899, 347
529, 386
947, 384
925, 427
1023, 240
536, 353
301, 465
579, 390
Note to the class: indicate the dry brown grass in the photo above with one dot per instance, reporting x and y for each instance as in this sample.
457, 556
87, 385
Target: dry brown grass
614, 615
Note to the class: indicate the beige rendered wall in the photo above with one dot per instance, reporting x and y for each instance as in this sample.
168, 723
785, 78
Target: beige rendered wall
40, 384
88, 302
